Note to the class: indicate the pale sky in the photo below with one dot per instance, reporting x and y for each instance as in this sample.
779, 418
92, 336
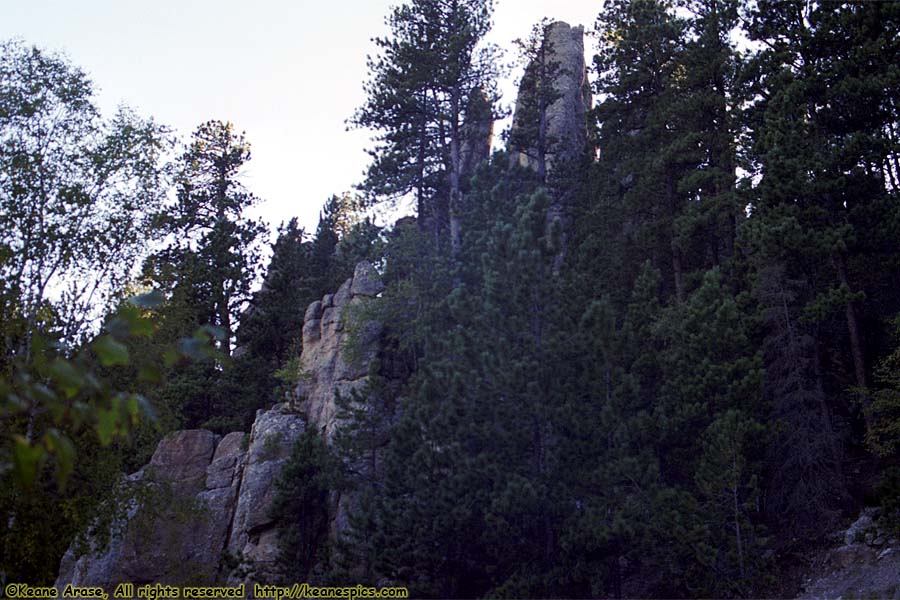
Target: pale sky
288, 73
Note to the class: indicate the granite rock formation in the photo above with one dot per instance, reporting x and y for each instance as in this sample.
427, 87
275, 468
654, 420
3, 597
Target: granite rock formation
198, 513
477, 133
339, 345
564, 120
152, 546
566, 116
252, 539
201, 499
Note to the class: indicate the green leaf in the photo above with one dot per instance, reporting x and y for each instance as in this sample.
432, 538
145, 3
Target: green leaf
132, 407
107, 424
130, 321
146, 408
43, 394
170, 357
12, 404
67, 378
149, 373
62, 447
109, 351
27, 461
80, 413
194, 348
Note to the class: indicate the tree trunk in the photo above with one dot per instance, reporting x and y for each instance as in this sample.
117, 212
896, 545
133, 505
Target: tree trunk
455, 200
859, 364
676, 252
737, 520
825, 416
420, 168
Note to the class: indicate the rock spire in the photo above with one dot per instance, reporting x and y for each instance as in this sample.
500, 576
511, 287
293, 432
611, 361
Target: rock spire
566, 115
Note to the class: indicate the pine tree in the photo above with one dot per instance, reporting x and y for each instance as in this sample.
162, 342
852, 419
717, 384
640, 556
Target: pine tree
207, 269
417, 100
300, 506
272, 322
641, 142
209, 221
529, 133
710, 112
468, 471
268, 335
821, 156
806, 487
727, 482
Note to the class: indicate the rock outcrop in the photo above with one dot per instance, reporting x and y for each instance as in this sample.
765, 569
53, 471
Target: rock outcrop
201, 499
566, 114
152, 545
550, 126
339, 345
198, 513
252, 540
477, 132
867, 565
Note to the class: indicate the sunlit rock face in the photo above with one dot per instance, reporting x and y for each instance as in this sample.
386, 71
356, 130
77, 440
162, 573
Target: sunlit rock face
477, 133
340, 347
340, 342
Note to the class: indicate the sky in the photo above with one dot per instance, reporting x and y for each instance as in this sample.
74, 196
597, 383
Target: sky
288, 73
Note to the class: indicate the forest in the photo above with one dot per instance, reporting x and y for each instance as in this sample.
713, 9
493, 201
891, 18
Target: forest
660, 360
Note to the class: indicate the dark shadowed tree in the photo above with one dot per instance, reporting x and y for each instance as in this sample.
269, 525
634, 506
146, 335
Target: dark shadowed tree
417, 98
209, 221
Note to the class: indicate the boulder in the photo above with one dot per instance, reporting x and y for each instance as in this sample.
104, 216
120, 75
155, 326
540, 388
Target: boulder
181, 457
314, 311
342, 296
851, 554
859, 528
366, 281
199, 496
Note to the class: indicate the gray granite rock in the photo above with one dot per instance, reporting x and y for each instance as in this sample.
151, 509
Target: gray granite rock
566, 116
314, 311
202, 495
338, 349
366, 281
